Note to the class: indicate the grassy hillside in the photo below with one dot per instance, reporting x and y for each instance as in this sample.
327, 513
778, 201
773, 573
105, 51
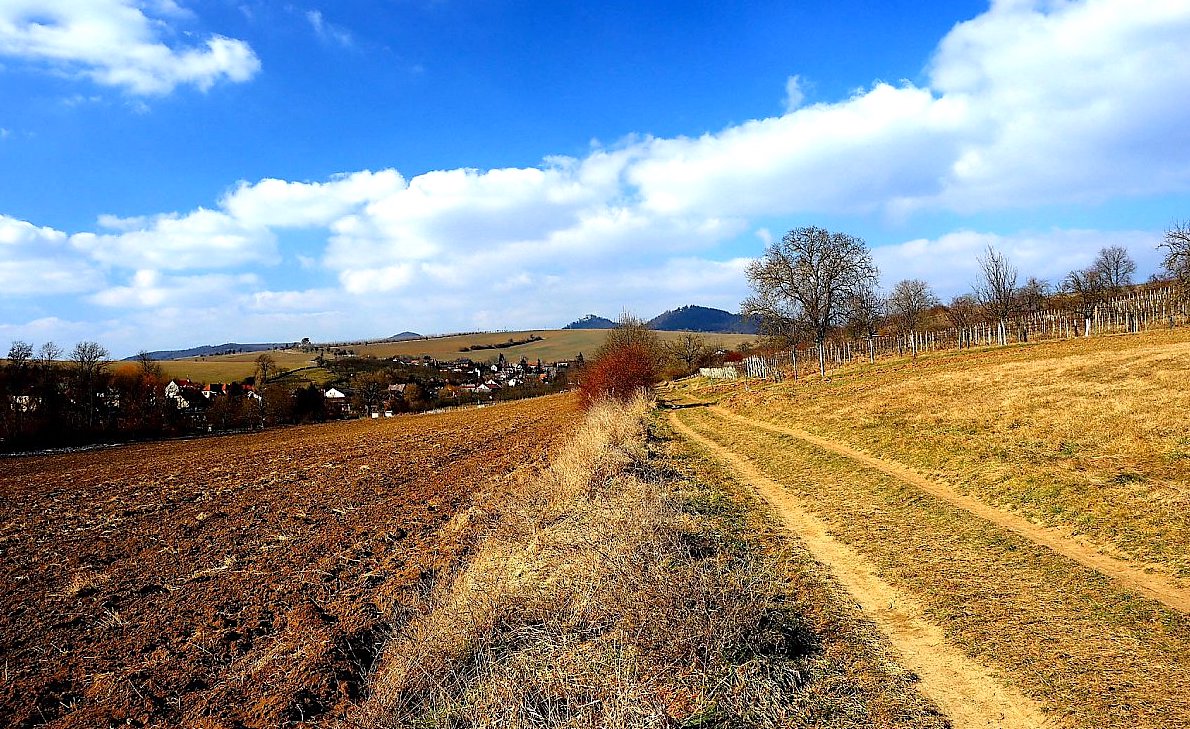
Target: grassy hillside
1082, 441
1088, 434
231, 367
555, 344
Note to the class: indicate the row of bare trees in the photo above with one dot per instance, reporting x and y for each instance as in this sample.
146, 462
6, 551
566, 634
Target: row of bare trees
51, 398
816, 285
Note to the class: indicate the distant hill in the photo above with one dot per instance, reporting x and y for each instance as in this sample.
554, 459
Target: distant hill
591, 321
403, 336
702, 319
210, 350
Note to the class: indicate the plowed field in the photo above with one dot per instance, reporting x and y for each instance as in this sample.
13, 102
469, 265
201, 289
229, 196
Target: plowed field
243, 581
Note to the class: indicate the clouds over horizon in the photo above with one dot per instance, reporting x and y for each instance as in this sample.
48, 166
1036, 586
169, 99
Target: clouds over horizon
1032, 104
116, 43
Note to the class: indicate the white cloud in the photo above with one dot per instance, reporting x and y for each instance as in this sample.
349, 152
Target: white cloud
1031, 104
115, 43
282, 204
329, 31
149, 289
202, 239
794, 96
35, 261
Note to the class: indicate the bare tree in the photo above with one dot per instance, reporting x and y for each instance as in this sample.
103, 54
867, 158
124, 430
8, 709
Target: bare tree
810, 277
148, 365
19, 354
964, 313
89, 359
1031, 300
689, 349
996, 292
865, 312
266, 365
1177, 255
907, 304
48, 354
1115, 267
90, 362
1085, 290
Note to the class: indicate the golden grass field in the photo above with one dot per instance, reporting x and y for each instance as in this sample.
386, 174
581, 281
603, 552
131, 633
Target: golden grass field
556, 344
234, 367
1090, 434
1085, 438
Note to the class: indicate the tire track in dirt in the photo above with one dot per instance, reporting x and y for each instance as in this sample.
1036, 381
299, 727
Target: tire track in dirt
1156, 587
966, 692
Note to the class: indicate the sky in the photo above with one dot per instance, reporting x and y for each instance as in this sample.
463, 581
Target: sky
185, 172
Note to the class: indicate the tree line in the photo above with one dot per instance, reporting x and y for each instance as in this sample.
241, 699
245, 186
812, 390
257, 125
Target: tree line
819, 289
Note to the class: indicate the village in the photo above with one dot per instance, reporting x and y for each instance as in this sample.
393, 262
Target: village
371, 387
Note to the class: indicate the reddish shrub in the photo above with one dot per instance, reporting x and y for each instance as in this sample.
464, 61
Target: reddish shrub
733, 357
619, 373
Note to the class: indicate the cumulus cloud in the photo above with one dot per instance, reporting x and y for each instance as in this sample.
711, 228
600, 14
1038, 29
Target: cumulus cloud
283, 204
202, 239
148, 289
1033, 103
115, 43
35, 261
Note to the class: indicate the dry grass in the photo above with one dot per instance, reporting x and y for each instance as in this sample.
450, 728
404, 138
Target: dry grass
233, 367
1091, 435
613, 593
555, 344
1092, 654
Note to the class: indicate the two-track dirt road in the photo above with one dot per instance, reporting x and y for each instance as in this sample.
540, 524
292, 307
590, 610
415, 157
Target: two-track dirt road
1007, 622
969, 694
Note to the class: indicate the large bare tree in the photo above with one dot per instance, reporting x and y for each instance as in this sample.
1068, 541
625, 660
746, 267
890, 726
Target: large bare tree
996, 290
809, 278
1115, 267
90, 363
907, 305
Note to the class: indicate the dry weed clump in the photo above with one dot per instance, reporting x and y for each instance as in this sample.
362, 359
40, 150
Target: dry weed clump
598, 599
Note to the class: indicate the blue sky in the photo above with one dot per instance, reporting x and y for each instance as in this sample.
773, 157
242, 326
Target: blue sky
182, 172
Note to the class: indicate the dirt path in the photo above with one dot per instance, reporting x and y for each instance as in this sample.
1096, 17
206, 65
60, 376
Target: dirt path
966, 691
1155, 586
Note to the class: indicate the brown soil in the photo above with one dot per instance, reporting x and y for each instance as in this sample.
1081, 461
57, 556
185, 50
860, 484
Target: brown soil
244, 581
967, 692
1158, 587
